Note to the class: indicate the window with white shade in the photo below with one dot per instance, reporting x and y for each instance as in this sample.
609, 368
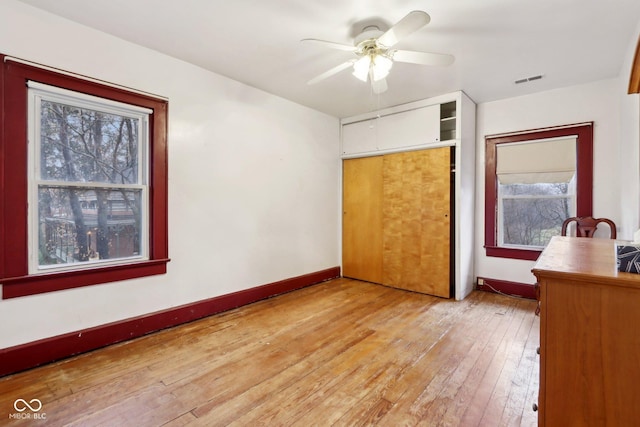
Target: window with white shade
536, 190
534, 180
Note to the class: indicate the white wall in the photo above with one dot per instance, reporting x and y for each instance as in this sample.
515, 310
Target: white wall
629, 146
598, 102
253, 181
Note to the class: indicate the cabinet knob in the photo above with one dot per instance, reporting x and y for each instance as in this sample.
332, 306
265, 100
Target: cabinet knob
535, 407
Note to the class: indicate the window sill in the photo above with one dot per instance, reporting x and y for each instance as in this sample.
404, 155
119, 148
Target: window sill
40, 283
513, 253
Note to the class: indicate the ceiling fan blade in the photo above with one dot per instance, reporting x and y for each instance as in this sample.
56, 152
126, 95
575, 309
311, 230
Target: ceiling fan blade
331, 72
411, 22
331, 45
379, 86
422, 58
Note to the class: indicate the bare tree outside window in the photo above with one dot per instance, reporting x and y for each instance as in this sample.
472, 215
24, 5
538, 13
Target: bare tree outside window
533, 213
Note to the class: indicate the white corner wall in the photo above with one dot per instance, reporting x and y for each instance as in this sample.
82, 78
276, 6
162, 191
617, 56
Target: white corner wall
254, 194
598, 102
629, 156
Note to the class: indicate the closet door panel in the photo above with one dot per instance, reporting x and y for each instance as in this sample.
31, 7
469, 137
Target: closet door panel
436, 223
362, 219
416, 221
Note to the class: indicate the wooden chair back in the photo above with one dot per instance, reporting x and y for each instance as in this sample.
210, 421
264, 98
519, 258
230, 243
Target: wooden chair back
587, 225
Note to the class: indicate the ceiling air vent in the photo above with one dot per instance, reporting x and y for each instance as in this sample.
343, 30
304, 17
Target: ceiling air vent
528, 79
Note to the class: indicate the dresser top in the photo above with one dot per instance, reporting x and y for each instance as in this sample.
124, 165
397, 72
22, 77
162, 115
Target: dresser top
581, 258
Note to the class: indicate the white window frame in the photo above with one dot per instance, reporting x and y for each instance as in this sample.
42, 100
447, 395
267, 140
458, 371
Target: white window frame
37, 92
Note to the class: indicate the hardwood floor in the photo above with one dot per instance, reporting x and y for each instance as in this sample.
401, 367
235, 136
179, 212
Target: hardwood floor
340, 353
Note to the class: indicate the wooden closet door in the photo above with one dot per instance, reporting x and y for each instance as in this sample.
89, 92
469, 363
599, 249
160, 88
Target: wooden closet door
362, 219
416, 221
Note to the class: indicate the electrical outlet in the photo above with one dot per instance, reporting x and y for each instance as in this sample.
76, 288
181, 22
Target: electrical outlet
480, 282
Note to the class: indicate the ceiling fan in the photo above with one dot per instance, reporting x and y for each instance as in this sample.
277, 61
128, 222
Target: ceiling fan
374, 53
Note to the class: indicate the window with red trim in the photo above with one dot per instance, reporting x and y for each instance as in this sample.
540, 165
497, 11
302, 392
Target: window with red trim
526, 202
85, 200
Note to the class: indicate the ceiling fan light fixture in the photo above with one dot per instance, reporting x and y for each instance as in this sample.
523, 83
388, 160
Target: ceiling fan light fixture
375, 66
381, 65
361, 68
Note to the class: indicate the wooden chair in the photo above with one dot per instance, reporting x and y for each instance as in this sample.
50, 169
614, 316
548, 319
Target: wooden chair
586, 226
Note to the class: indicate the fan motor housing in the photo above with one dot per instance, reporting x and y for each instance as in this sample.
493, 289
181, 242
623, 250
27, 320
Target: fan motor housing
367, 38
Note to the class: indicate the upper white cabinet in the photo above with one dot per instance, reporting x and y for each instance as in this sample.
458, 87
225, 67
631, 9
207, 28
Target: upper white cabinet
402, 129
406, 127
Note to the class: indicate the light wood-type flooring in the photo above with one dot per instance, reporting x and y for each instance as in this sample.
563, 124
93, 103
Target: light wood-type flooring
340, 353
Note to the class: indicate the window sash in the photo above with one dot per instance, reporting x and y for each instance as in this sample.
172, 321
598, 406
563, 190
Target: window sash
36, 94
538, 196
570, 196
84, 100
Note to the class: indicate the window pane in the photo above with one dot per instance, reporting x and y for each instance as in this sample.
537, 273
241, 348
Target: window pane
83, 145
79, 225
537, 189
533, 221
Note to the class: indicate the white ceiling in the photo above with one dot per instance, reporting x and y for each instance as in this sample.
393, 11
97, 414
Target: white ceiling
495, 42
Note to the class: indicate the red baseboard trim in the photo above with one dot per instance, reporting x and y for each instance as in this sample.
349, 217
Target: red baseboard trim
29, 355
522, 290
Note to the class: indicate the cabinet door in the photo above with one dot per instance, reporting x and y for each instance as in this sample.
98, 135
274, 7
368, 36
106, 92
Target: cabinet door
417, 220
409, 128
394, 131
362, 219
360, 137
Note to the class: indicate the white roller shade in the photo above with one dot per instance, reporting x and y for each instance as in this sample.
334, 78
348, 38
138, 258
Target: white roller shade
549, 160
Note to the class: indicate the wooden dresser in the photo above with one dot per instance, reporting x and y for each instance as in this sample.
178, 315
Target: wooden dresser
589, 336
